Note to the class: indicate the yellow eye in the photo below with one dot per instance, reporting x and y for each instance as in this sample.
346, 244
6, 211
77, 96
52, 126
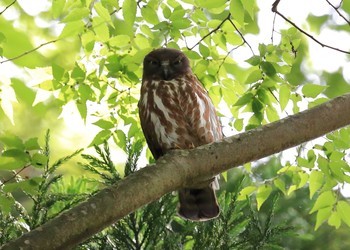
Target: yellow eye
177, 62
153, 62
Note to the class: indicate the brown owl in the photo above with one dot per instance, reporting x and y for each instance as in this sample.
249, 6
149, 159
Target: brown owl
177, 113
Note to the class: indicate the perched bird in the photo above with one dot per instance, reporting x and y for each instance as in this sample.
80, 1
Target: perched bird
176, 112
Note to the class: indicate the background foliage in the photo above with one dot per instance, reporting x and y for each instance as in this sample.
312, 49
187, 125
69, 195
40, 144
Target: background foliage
75, 67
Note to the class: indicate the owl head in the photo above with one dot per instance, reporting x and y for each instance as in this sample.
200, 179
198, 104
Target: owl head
165, 64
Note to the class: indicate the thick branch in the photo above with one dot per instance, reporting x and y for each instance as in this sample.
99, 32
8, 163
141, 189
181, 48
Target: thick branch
179, 169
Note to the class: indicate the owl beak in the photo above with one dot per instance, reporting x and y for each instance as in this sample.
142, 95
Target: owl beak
165, 69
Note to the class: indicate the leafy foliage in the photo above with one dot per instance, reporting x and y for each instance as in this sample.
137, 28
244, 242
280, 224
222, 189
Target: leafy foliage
47, 193
157, 226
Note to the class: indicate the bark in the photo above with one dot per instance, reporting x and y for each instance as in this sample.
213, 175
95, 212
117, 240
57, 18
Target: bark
181, 168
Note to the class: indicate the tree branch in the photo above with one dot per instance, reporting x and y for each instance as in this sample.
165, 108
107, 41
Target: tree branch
179, 169
29, 51
211, 32
337, 10
274, 9
8, 6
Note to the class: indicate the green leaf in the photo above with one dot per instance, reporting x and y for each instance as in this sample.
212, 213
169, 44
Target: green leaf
103, 12
316, 22
88, 41
248, 167
245, 99
249, 6
78, 73
120, 140
57, 7
72, 29
312, 90
29, 186
284, 95
272, 114
334, 220
101, 137
343, 209
322, 215
2, 38
263, 96
119, 41
85, 92
262, 49
238, 124
303, 178
211, 4
254, 60
10, 163
6, 203
166, 11
76, 14
316, 181
288, 57
254, 76
262, 194
104, 124
336, 84
247, 191
181, 23
32, 144
268, 68
205, 52
291, 189
39, 160
11, 141
257, 105
81, 106
13, 159
129, 11
101, 29
236, 10
57, 72
279, 183
149, 14
18, 42
325, 199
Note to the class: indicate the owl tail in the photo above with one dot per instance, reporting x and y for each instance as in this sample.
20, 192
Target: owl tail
198, 204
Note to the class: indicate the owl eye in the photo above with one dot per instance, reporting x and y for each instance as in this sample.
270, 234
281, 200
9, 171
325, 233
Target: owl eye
153, 62
177, 62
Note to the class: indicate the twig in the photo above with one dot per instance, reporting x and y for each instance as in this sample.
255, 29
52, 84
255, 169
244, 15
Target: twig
273, 27
228, 18
211, 32
245, 41
14, 176
8, 6
274, 9
29, 51
228, 53
337, 10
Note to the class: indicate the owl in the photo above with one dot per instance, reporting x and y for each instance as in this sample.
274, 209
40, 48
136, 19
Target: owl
176, 112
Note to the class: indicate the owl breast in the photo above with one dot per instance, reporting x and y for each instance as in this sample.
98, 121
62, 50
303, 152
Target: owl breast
177, 115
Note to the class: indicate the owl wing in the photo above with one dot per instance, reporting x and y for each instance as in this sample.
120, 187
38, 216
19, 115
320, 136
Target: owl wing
148, 127
151, 139
201, 114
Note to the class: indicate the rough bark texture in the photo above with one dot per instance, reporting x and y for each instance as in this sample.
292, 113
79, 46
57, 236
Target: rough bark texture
179, 169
